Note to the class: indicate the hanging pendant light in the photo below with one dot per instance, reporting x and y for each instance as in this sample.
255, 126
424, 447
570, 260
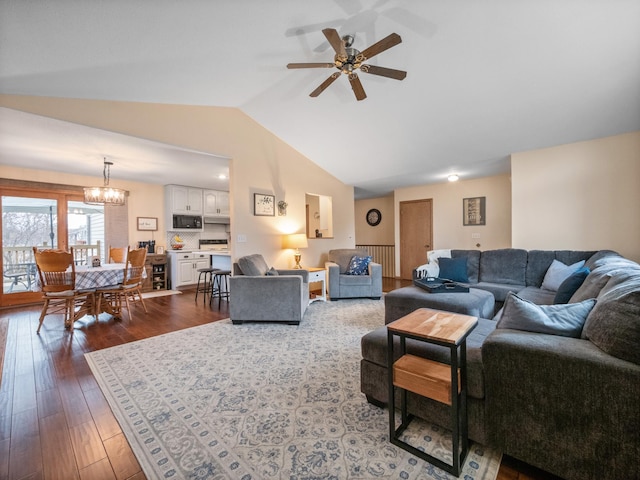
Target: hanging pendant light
104, 195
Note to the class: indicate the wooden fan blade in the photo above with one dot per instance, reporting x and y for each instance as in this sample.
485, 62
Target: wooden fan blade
384, 72
357, 87
324, 84
335, 41
310, 65
379, 47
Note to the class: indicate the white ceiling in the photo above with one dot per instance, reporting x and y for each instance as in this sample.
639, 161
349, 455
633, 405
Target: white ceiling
485, 79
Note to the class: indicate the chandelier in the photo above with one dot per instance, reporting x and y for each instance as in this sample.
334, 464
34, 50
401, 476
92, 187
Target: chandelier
104, 195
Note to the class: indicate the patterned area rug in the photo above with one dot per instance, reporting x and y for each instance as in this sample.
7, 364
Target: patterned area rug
265, 401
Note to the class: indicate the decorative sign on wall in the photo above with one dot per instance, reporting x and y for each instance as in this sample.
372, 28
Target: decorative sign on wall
148, 223
264, 205
473, 211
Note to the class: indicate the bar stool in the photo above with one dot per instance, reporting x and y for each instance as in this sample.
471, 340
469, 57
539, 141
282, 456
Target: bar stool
207, 281
220, 286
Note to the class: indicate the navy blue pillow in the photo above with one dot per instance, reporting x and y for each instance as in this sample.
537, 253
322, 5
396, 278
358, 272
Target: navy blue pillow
359, 265
569, 286
453, 269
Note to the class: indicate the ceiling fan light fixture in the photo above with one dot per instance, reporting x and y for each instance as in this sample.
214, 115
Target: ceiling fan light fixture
104, 195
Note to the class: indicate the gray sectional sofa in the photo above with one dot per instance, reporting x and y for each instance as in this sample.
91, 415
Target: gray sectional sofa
570, 406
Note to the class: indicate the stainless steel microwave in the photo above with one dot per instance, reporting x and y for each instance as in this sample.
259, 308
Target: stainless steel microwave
187, 222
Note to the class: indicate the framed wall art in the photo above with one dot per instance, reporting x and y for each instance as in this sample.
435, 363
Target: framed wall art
148, 223
264, 205
473, 211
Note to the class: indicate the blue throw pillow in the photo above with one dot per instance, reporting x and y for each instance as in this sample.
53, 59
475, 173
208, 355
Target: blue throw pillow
453, 269
570, 285
358, 265
564, 320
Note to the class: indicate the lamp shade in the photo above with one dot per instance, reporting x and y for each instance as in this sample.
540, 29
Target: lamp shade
295, 240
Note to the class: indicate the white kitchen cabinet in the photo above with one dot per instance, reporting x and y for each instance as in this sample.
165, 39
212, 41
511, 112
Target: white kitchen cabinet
183, 200
216, 203
184, 267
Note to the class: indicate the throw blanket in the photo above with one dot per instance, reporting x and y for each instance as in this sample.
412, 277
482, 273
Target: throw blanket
431, 268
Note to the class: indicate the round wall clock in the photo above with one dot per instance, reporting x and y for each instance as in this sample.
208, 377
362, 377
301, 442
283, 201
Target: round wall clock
374, 217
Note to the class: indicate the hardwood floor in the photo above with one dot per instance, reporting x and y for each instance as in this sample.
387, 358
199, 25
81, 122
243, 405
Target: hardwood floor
54, 421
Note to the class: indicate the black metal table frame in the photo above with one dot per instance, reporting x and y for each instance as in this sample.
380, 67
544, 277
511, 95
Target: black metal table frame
459, 422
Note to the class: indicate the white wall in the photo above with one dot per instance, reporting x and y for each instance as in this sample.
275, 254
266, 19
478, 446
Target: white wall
260, 163
582, 196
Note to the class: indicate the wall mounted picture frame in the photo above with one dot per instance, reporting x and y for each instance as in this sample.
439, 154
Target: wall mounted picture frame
148, 224
264, 205
474, 211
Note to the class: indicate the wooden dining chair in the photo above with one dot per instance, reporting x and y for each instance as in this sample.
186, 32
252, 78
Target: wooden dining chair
130, 288
57, 274
117, 254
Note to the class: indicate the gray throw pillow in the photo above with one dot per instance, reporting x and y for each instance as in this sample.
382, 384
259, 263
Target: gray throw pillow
565, 320
272, 272
557, 273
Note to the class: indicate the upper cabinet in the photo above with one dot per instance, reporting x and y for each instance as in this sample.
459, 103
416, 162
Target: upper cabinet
184, 200
216, 203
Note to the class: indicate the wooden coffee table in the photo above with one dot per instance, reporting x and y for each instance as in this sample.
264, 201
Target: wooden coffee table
438, 381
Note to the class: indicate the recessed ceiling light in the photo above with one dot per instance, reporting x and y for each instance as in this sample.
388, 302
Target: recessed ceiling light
453, 177
222, 176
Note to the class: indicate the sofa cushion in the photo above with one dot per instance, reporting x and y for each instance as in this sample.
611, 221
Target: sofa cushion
351, 280
499, 290
557, 273
564, 320
453, 269
600, 255
506, 266
614, 324
591, 286
342, 256
538, 262
358, 265
537, 295
570, 285
253, 265
473, 263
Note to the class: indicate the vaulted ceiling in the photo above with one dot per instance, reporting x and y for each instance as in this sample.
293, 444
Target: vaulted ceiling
485, 79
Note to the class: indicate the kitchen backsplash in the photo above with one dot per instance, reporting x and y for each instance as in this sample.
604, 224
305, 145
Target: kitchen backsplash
190, 239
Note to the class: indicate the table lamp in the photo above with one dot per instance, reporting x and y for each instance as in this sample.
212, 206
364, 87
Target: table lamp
297, 241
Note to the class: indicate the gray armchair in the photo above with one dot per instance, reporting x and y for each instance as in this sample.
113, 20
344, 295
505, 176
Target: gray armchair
261, 294
342, 285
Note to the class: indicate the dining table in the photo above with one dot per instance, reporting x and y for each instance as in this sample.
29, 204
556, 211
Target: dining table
92, 278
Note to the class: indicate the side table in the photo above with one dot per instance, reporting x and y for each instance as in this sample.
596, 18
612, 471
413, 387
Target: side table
441, 382
318, 275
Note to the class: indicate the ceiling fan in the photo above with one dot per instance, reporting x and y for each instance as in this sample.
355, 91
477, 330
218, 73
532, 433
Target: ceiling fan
347, 60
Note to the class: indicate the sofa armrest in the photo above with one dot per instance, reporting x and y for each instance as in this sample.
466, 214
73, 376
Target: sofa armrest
281, 297
550, 399
333, 279
301, 273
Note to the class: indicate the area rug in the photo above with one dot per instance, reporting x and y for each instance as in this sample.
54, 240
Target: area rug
265, 401
161, 293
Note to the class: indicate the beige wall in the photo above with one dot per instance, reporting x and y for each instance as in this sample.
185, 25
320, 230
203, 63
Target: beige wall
260, 163
582, 196
381, 234
141, 202
448, 231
